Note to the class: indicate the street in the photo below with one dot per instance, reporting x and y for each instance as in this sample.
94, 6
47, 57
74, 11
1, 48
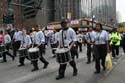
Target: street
10, 73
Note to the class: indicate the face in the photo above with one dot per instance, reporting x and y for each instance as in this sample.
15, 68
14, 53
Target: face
98, 27
90, 29
24, 32
64, 25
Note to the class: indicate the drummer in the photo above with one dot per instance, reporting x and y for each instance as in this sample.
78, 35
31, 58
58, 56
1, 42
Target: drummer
67, 38
7, 43
54, 41
25, 43
39, 41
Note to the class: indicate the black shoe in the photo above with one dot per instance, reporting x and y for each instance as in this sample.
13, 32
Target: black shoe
20, 65
75, 73
45, 65
3, 61
104, 69
88, 62
54, 56
13, 58
35, 69
97, 72
59, 77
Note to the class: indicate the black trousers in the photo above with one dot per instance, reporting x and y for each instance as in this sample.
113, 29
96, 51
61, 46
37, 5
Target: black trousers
6, 53
80, 46
54, 46
90, 51
21, 59
123, 48
115, 50
100, 56
42, 59
16, 46
62, 67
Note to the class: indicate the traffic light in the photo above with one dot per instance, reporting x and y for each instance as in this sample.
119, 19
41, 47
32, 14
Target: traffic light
8, 19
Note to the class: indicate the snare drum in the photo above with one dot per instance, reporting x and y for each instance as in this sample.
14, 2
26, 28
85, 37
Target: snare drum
22, 52
2, 48
63, 55
33, 54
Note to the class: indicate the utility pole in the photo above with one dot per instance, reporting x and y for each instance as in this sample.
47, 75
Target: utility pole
92, 12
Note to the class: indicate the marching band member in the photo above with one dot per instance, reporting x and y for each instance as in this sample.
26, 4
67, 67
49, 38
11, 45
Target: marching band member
39, 40
7, 42
101, 47
67, 38
89, 41
25, 43
80, 40
16, 41
54, 41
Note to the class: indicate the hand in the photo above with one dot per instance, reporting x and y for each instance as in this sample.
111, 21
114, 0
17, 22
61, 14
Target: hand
69, 47
38, 45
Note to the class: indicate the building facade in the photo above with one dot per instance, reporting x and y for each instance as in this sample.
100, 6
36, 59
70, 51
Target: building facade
42, 12
104, 11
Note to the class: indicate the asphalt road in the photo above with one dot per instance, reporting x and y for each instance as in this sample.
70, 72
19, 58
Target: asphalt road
10, 73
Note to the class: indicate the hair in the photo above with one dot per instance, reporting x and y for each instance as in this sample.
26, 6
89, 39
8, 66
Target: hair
100, 25
63, 22
1, 32
89, 28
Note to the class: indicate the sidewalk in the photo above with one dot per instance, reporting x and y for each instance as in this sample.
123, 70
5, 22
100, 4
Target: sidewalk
118, 73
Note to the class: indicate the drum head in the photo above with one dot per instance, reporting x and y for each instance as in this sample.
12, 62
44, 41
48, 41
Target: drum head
61, 50
33, 50
22, 49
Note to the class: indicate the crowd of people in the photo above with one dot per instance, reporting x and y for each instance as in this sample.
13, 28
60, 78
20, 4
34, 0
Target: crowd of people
98, 42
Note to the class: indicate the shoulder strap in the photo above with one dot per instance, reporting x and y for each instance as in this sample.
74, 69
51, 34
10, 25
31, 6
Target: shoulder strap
62, 38
90, 37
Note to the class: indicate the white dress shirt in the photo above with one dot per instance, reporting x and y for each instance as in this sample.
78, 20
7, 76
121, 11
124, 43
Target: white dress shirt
39, 38
18, 36
101, 37
69, 35
89, 37
26, 41
7, 39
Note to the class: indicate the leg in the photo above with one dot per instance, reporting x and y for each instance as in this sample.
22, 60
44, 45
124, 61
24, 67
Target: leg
113, 51
42, 59
7, 53
73, 64
21, 61
80, 47
88, 53
124, 49
97, 59
4, 57
117, 50
35, 65
62, 69
103, 56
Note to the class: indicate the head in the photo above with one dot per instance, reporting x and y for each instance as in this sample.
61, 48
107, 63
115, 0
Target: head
1, 32
6, 32
99, 27
24, 32
90, 29
64, 24
114, 30
37, 28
